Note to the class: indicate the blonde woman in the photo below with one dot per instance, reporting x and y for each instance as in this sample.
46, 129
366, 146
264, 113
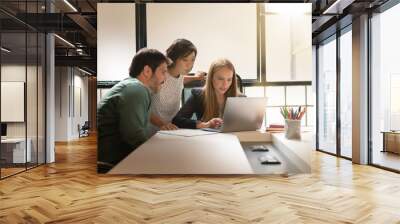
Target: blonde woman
208, 103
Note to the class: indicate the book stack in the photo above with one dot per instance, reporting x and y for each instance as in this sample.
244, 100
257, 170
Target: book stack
275, 128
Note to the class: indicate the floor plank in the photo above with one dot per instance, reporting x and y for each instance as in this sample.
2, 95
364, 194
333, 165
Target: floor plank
70, 191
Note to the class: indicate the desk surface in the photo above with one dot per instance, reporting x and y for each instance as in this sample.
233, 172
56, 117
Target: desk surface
296, 150
169, 154
216, 154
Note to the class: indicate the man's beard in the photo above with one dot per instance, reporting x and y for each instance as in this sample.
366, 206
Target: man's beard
155, 87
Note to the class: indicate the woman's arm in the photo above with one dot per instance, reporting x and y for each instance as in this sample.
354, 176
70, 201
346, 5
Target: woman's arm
199, 76
183, 118
156, 120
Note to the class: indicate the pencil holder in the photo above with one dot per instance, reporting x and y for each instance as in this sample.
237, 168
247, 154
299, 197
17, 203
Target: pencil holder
292, 129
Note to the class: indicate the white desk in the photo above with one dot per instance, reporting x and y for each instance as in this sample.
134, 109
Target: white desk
168, 154
298, 151
16, 147
216, 154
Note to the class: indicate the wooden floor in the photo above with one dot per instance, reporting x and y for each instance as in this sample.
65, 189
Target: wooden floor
10, 171
70, 191
387, 159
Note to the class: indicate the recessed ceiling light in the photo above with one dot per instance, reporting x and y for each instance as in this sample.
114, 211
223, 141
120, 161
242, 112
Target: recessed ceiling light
64, 40
84, 71
70, 5
337, 7
5, 50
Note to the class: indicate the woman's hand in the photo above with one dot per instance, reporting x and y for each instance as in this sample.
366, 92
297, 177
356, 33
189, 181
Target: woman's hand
215, 122
168, 126
200, 76
201, 125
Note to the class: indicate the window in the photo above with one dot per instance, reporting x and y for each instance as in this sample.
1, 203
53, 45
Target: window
280, 96
276, 95
327, 96
296, 95
385, 87
346, 93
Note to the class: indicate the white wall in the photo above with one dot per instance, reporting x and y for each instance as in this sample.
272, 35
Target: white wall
12, 101
288, 42
116, 40
71, 93
62, 81
80, 84
12, 73
33, 126
217, 30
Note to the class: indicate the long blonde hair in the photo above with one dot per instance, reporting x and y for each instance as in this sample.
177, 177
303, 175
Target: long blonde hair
211, 108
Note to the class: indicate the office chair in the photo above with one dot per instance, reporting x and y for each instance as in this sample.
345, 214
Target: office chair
84, 130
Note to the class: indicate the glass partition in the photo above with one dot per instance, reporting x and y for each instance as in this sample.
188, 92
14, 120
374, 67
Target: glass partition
385, 89
15, 149
346, 93
22, 88
327, 96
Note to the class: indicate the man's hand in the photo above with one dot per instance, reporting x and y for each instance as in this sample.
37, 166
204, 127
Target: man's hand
168, 126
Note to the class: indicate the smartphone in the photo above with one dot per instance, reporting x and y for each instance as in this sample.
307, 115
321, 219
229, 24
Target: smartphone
268, 159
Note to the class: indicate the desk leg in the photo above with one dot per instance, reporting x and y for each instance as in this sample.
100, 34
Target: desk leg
384, 142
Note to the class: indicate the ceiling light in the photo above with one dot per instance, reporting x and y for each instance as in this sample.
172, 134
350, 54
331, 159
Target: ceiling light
84, 71
337, 7
70, 5
65, 41
5, 50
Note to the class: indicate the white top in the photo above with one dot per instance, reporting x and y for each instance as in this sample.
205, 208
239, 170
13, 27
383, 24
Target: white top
167, 101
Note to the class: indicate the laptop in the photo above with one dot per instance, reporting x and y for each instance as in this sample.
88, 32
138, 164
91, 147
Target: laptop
242, 114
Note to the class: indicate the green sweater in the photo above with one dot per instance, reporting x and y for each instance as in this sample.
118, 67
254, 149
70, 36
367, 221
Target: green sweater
122, 120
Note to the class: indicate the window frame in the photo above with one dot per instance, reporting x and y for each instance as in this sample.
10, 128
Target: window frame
334, 37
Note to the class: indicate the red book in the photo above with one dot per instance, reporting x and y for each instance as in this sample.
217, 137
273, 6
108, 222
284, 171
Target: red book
276, 126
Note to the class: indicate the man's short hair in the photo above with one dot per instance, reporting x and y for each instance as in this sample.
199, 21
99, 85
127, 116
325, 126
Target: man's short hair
150, 57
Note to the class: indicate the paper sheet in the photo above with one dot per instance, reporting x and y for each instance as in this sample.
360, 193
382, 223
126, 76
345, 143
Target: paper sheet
187, 132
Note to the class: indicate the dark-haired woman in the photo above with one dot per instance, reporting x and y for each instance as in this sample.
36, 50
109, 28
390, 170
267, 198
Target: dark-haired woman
166, 103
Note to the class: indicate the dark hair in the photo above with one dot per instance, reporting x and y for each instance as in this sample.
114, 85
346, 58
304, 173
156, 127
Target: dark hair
180, 48
151, 57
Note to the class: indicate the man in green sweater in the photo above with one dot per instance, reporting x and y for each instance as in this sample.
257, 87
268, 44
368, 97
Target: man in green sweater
123, 113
